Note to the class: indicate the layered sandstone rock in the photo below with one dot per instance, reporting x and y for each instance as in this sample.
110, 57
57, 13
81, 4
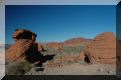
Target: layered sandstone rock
17, 51
24, 34
24, 47
102, 49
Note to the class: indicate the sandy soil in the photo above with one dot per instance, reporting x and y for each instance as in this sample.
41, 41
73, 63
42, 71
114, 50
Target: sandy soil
78, 69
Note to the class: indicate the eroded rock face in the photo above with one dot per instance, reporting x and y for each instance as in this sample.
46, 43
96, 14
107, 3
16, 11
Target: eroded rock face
24, 34
17, 51
102, 49
24, 47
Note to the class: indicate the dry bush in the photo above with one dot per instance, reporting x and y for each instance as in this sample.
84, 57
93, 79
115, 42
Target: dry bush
20, 68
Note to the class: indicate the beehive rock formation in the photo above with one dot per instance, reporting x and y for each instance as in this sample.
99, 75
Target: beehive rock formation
101, 50
24, 47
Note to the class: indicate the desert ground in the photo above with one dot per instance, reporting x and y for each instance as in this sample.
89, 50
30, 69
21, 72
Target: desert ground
76, 56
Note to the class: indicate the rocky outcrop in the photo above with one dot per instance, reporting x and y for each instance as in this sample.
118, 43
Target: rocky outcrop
75, 42
24, 34
17, 51
24, 47
101, 50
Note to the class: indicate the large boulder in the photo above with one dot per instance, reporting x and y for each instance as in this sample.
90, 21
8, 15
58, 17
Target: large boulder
101, 50
24, 43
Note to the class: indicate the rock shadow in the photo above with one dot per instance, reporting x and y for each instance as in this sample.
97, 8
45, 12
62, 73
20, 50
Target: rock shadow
33, 55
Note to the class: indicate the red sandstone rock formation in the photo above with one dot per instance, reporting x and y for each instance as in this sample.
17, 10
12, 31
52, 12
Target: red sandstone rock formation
55, 45
24, 34
75, 42
24, 43
17, 51
102, 49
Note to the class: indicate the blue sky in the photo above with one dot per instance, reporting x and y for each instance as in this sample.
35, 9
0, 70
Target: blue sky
58, 23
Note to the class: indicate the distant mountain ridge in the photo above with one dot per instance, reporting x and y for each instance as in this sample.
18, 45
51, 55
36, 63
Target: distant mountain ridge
76, 41
73, 42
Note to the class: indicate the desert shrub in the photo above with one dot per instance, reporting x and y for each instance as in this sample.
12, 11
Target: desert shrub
72, 50
20, 68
